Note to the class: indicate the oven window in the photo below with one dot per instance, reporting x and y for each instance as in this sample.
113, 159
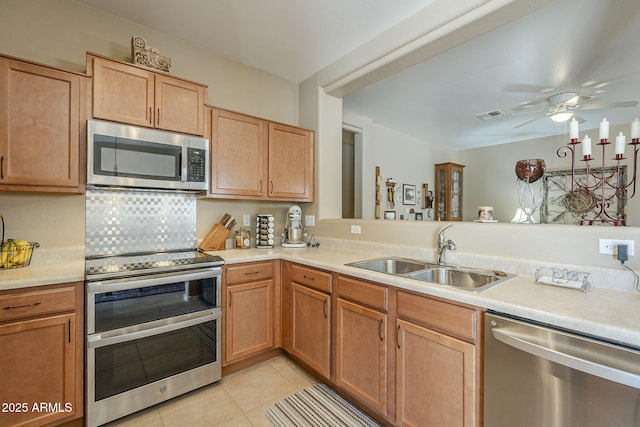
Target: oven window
132, 364
115, 310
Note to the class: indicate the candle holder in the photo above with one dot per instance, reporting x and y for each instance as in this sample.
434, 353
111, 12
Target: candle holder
601, 187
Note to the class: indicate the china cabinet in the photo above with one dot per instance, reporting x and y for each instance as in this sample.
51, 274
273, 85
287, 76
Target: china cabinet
448, 192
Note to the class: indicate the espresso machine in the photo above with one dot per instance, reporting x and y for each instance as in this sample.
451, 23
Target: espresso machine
294, 234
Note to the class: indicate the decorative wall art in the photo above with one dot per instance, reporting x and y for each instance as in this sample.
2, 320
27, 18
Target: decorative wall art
563, 206
147, 56
408, 194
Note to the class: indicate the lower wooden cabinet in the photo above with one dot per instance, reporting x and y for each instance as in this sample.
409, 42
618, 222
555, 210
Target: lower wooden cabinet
361, 353
435, 378
250, 310
361, 342
311, 327
41, 355
306, 316
437, 362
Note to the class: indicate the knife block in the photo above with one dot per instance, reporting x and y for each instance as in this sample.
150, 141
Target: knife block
215, 238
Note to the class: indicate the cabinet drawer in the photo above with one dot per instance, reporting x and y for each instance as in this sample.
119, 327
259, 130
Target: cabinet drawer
461, 322
370, 294
252, 272
316, 279
36, 303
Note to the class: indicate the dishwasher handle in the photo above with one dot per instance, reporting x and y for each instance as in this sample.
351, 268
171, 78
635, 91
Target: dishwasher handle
591, 367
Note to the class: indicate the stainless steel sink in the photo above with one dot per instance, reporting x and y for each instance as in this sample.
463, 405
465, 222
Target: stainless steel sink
391, 265
458, 277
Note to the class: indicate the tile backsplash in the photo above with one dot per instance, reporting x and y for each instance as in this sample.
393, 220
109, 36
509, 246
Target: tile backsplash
120, 221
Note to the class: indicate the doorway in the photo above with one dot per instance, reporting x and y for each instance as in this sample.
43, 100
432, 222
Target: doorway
351, 172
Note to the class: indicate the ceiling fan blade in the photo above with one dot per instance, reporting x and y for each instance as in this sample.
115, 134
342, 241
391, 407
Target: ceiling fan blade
578, 118
622, 104
529, 88
529, 121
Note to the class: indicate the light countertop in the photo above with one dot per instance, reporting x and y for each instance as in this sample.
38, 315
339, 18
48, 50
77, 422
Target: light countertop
611, 314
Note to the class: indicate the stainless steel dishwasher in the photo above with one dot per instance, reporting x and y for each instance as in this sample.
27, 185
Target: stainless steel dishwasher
536, 375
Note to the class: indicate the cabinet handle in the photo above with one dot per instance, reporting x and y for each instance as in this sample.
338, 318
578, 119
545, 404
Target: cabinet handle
69, 329
12, 307
251, 273
151, 115
2, 167
308, 277
260, 187
324, 308
271, 192
381, 333
158, 116
230, 299
398, 337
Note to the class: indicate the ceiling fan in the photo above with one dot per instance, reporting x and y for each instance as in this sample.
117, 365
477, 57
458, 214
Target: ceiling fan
563, 106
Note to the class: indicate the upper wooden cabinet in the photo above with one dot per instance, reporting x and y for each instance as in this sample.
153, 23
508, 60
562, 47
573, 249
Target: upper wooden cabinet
131, 94
42, 117
255, 159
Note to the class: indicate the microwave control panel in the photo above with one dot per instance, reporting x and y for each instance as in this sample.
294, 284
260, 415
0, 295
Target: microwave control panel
196, 165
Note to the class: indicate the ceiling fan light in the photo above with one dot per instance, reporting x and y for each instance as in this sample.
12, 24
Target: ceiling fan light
561, 117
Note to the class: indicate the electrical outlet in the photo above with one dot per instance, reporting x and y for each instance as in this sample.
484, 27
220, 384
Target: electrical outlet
310, 220
610, 246
355, 229
246, 220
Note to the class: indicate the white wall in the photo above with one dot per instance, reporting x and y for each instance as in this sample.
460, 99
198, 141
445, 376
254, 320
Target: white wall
402, 157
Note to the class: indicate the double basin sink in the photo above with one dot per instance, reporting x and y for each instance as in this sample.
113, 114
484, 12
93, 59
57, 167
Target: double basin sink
458, 277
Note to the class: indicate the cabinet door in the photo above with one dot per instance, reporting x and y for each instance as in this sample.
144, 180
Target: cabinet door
38, 360
122, 93
310, 324
179, 105
435, 379
39, 128
361, 353
239, 155
250, 319
291, 163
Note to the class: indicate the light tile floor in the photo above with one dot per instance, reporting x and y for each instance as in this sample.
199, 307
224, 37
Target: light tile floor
238, 400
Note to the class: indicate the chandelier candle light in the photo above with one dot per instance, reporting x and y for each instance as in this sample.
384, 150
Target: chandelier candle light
596, 193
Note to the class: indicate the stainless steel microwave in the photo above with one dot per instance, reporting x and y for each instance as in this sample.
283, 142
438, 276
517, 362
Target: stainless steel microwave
130, 156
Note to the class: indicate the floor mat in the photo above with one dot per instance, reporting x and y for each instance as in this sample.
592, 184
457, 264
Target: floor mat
317, 406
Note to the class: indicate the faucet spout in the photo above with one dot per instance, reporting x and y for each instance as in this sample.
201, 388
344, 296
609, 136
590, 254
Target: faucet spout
444, 245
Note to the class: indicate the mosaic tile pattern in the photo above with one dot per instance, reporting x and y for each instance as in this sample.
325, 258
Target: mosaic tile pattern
120, 221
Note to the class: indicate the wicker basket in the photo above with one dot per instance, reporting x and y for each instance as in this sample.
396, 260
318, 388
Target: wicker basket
13, 255
16, 256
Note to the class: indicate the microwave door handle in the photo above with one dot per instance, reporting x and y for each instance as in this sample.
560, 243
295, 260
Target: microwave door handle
184, 161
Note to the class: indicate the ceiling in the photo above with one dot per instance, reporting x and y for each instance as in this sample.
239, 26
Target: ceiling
585, 46
292, 39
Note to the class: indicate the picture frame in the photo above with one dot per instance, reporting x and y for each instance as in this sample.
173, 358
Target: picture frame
419, 216
389, 214
408, 194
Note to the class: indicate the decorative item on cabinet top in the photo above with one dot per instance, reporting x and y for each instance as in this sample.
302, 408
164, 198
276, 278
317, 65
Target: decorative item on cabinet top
147, 56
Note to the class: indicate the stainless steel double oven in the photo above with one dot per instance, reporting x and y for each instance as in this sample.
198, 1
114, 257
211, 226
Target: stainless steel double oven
153, 330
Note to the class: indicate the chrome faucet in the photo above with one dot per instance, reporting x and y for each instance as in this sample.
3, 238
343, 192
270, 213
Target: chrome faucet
444, 245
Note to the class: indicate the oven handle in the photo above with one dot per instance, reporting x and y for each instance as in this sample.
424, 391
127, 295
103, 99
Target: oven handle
151, 328
113, 285
610, 373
